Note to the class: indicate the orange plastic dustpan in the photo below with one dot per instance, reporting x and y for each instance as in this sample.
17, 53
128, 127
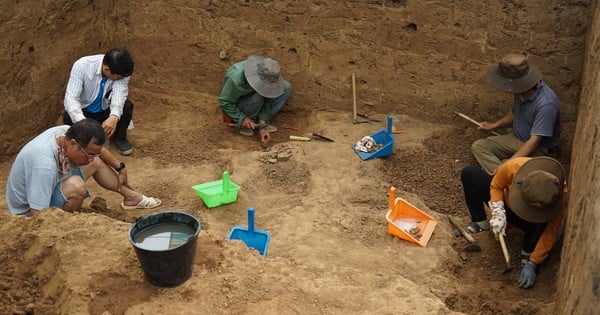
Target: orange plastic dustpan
402, 216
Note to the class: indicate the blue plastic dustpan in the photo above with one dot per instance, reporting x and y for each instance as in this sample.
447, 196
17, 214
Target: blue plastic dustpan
383, 137
257, 239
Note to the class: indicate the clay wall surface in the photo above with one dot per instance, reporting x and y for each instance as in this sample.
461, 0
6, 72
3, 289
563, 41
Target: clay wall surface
578, 288
40, 42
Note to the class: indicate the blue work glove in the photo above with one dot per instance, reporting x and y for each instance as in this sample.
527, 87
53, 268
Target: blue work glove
527, 278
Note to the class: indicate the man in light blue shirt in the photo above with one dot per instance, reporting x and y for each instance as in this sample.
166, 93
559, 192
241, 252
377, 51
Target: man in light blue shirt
52, 168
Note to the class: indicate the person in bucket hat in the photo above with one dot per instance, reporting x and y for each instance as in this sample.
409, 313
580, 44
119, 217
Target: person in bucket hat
529, 193
253, 92
534, 115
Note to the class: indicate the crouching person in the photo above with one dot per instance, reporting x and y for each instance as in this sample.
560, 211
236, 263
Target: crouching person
529, 193
51, 171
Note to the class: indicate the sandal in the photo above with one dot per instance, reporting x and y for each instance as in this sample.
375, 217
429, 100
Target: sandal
145, 203
270, 128
474, 228
246, 132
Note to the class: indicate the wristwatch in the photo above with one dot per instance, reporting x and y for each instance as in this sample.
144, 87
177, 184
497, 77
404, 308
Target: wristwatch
120, 167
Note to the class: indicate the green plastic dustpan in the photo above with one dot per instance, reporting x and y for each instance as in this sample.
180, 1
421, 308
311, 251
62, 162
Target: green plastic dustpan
219, 192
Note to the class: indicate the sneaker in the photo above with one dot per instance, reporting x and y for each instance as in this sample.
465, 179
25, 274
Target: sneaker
476, 227
524, 257
246, 132
123, 146
270, 128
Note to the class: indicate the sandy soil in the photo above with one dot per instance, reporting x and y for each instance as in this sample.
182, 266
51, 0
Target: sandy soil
324, 207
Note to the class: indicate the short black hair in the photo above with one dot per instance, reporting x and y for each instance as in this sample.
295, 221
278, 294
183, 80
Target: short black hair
86, 130
119, 61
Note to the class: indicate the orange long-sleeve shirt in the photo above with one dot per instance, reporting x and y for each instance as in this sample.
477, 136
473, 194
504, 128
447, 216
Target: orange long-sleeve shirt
499, 188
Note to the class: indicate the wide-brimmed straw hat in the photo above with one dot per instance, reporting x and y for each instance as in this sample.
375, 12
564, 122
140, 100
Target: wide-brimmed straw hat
264, 76
514, 74
537, 190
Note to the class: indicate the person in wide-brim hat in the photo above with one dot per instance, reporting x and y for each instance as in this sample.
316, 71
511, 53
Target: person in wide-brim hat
253, 92
264, 76
514, 73
537, 189
525, 193
534, 116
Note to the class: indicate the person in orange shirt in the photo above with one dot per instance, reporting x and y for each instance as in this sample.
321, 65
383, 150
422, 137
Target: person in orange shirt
530, 193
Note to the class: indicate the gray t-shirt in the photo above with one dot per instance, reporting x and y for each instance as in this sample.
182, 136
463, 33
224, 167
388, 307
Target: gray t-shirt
34, 174
539, 115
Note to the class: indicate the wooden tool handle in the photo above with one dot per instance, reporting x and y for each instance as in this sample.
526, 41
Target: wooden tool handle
298, 138
468, 118
504, 249
473, 121
468, 236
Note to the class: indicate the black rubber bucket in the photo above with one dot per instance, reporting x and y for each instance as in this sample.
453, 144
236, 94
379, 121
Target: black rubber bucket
165, 244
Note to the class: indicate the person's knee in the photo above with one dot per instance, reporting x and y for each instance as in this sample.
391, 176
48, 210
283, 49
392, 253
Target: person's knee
287, 91
74, 188
128, 106
287, 87
478, 145
92, 168
67, 119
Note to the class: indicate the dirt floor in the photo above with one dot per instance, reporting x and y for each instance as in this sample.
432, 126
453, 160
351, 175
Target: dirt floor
324, 207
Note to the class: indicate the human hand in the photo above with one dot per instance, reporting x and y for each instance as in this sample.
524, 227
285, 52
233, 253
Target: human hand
265, 137
527, 278
487, 126
498, 220
110, 125
248, 123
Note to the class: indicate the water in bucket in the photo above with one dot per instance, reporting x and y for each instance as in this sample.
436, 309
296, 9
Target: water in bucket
163, 236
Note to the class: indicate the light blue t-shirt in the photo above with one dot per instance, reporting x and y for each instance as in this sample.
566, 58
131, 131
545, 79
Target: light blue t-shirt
34, 174
539, 115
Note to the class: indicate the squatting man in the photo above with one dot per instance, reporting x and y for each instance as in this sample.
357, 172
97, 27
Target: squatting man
51, 171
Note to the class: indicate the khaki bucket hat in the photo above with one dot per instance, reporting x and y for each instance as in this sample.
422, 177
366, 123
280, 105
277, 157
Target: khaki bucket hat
537, 190
514, 74
264, 76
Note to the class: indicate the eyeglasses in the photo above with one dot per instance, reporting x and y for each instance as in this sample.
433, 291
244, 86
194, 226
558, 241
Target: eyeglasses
87, 155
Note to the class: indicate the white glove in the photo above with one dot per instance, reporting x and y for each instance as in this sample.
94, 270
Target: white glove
498, 220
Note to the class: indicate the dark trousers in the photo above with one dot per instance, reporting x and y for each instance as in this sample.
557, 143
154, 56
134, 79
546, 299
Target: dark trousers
476, 185
121, 132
